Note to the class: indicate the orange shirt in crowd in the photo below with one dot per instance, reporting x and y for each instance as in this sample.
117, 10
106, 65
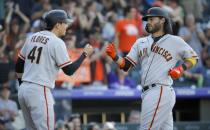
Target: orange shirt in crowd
128, 31
98, 71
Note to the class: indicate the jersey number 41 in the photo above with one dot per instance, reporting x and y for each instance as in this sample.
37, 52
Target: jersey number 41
32, 54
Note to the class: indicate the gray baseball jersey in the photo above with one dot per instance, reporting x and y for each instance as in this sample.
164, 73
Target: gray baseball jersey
44, 54
157, 58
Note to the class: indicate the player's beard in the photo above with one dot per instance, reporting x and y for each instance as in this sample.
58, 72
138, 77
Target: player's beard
153, 29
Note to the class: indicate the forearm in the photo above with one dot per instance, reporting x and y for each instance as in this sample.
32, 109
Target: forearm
71, 68
19, 68
8, 17
24, 17
179, 70
123, 63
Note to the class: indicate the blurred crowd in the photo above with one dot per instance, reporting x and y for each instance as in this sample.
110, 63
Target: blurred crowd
75, 123
100, 22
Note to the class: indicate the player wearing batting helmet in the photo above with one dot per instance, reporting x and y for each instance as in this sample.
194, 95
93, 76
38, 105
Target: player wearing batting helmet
158, 55
40, 59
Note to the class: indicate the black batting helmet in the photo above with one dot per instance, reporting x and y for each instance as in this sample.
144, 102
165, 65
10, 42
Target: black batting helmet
56, 16
159, 12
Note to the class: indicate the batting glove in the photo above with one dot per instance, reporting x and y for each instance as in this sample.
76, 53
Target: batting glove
176, 72
111, 51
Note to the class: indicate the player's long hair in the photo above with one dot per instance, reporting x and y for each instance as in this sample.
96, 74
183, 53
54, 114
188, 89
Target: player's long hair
168, 26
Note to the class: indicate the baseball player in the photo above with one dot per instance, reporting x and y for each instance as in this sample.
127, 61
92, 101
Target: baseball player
40, 59
158, 55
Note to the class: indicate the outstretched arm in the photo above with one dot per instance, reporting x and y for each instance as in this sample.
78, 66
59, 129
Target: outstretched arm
71, 68
122, 62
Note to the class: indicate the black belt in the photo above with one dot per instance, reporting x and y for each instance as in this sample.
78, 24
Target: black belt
145, 88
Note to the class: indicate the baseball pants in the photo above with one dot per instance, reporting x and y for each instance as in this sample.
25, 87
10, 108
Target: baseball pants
36, 102
157, 105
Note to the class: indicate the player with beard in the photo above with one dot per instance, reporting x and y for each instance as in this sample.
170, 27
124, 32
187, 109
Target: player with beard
158, 55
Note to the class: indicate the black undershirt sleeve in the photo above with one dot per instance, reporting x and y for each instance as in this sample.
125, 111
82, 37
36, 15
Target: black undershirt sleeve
71, 68
19, 68
128, 64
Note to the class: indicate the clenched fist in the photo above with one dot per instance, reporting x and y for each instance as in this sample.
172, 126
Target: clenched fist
111, 51
176, 72
88, 50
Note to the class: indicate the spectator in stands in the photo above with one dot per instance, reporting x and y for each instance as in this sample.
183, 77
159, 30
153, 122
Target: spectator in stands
60, 125
26, 6
12, 82
128, 30
134, 117
91, 19
108, 30
177, 15
119, 79
3, 45
98, 70
74, 122
193, 35
202, 74
109, 126
94, 126
14, 28
39, 8
193, 7
205, 70
8, 108
208, 32
206, 6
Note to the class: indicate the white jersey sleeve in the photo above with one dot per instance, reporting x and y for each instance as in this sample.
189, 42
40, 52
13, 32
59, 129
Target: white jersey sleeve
139, 50
133, 54
186, 51
23, 51
60, 54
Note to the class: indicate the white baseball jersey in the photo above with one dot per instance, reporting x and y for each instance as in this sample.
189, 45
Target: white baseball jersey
157, 58
44, 53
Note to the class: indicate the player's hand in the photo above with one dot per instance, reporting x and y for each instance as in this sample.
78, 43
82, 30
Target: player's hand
88, 50
176, 72
111, 50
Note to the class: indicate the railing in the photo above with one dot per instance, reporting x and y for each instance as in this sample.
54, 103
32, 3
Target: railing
129, 94
177, 126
